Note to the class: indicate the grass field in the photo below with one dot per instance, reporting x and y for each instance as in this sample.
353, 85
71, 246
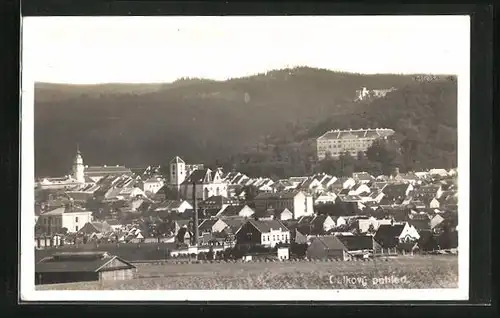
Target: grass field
411, 271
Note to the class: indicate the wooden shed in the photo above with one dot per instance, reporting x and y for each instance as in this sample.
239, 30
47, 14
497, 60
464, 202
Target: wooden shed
82, 266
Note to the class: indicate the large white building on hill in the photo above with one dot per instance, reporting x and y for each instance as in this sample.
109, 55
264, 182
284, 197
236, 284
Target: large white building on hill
336, 142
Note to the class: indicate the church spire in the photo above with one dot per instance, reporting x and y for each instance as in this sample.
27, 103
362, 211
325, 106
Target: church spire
78, 148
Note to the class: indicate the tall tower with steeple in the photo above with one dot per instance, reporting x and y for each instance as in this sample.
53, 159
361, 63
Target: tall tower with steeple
177, 171
78, 167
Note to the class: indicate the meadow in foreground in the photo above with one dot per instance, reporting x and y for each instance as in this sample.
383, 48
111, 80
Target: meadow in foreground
403, 272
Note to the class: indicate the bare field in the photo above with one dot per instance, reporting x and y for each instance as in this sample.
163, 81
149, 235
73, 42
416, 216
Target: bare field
402, 272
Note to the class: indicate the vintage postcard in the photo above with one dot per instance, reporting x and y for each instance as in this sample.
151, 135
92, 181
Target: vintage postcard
245, 158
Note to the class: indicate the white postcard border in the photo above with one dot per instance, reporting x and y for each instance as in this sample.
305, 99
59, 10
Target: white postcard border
27, 257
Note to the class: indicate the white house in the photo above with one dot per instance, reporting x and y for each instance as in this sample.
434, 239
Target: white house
71, 217
434, 203
152, 185
409, 233
284, 214
266, 233
328, 197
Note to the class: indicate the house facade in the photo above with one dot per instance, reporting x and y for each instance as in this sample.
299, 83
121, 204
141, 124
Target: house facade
266, 233
71, 218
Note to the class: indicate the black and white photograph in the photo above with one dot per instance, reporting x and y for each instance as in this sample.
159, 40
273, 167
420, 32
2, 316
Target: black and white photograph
245, 158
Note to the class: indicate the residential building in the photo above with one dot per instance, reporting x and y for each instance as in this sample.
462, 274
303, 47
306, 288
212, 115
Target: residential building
266, 233
151, 185
296, 201
337, 142
389, 236
70, 217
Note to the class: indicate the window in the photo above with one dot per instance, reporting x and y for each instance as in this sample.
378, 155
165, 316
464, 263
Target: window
76, 219
76, 228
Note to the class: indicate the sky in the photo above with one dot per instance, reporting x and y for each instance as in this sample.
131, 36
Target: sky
92, 50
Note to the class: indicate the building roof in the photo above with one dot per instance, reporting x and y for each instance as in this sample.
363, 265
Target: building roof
65, 210
103, 170
387, 234
232, 210
168, 205
234, 224
395, 191
420, 224
266, 226
330, 242
357, 133
199, 176
96, 227
206, 225
363, 176
217, 200
277, 195
357, 242
177, 159
79, 262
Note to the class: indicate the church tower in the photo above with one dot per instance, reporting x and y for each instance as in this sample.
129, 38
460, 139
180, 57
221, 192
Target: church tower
78, 167
177, 171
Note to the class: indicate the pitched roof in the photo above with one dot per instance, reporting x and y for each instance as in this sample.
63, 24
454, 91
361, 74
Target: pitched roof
232, 210
207, 224
200, 176
177, 159
234, 223
394, 191
387, 234
78, 262
113, 170
217, 200
420, 224
98, 227
65, 210
330, 242
266, 226
277, 196
357, 242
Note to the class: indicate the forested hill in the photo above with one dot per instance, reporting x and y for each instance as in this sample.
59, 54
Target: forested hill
199, 120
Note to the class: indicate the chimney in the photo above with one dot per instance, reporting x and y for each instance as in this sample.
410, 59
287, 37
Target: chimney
195, 214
